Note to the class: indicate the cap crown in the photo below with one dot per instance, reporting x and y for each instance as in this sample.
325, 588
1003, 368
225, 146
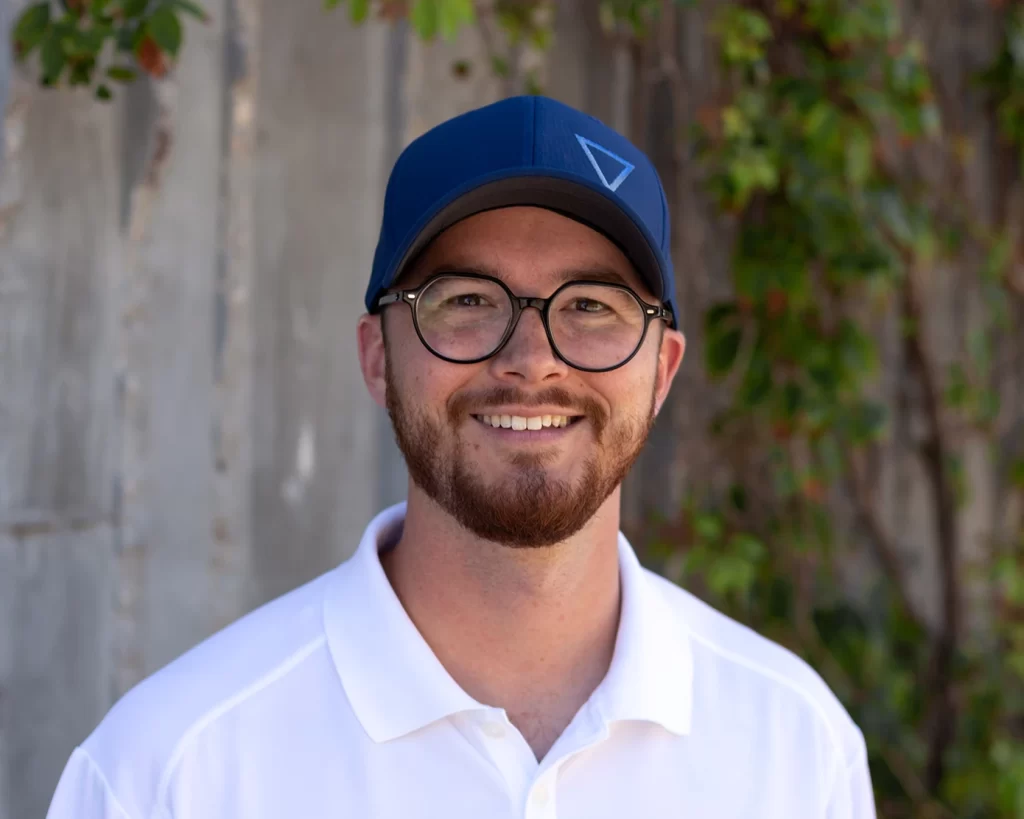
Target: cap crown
517, 137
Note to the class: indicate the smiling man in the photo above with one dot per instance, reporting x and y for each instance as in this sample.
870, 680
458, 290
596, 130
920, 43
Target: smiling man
494, 648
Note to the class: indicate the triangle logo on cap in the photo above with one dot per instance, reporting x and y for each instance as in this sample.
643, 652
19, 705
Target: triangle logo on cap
623, 167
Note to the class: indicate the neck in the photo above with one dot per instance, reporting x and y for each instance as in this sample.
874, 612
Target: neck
530, 630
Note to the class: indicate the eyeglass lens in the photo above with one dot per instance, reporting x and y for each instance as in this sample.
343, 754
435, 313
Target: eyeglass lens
593, 326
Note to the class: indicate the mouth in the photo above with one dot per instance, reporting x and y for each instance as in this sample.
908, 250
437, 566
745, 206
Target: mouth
521, 423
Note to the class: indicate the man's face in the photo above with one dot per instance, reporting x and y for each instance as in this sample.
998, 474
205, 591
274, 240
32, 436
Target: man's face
519, 487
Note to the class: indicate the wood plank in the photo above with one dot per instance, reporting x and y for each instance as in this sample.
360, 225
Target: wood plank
55, 591
166, 355
59, 247
317, 197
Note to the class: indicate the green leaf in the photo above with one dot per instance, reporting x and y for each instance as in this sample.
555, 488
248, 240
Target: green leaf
165, 29
757, 382
121, 73
722, 350
717, 314
331, 4
731, 573
1017, 473
792, 399
81, 71
358, 10
742, 32
958, 391
1000, 253
52, 57
30, 29
499, 65
424, 19
191, 8
752, 169
857, 353
103, 93
747, 546
735, 124
708, 527
532, 83
830, 454
129, 8
452, 15
126, 37
98, 8
987, 407
858, 155
866, 420
542, 37
512, 22
81, 43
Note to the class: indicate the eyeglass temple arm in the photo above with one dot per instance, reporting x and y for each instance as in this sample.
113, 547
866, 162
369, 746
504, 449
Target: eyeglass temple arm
391, 298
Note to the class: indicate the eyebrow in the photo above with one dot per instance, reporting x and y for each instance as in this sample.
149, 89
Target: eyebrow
597, 274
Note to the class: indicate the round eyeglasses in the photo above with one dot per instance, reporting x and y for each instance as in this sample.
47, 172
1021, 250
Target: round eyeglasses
465, 318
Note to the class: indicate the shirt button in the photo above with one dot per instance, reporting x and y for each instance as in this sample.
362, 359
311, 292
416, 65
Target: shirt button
541, 795
494, 730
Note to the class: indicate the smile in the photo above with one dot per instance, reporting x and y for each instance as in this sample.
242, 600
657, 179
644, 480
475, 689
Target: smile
521, 423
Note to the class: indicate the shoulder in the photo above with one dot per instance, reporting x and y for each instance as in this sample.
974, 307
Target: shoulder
139, 742
736, 657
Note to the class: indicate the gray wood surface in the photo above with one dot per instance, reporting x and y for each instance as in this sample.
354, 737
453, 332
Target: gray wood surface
184, 432
58, 258
316, 202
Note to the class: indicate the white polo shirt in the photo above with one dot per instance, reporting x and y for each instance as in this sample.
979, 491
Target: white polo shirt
327, 702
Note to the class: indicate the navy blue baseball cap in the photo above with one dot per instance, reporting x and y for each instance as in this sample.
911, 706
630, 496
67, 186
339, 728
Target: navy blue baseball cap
527, 150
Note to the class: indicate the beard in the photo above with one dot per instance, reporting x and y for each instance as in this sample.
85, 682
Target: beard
528, 507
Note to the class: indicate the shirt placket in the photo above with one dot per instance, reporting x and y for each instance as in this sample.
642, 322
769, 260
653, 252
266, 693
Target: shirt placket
541, 799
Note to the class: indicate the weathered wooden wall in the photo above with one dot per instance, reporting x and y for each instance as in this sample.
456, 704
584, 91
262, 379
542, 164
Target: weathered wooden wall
183, 429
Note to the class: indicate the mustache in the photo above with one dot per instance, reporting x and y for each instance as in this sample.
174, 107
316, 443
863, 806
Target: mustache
463, 404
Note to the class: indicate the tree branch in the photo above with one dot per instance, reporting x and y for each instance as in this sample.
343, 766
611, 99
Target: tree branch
934, 452
884, 545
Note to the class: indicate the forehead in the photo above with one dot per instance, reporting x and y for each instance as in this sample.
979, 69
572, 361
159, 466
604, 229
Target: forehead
532, 250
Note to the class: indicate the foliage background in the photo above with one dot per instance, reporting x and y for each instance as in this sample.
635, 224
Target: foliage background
833, 152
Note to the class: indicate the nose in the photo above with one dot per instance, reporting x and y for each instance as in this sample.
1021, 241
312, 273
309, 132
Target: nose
528, 357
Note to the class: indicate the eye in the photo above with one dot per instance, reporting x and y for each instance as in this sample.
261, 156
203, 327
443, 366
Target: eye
468, 300
591, 306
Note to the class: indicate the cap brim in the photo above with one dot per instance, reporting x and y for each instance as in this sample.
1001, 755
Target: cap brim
571, 199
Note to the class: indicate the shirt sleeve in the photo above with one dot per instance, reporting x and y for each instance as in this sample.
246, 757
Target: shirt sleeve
852, 796
83, 792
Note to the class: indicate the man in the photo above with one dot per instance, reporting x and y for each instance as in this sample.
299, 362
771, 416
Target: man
494, 649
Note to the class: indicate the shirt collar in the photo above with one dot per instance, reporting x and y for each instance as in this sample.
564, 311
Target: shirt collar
650, 678
396, 684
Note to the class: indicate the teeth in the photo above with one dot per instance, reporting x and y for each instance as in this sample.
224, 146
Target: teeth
520, 422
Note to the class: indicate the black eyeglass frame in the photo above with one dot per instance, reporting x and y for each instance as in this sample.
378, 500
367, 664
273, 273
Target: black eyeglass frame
651, 313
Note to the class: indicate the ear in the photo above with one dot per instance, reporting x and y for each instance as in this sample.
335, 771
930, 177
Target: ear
372, 360
670, 356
